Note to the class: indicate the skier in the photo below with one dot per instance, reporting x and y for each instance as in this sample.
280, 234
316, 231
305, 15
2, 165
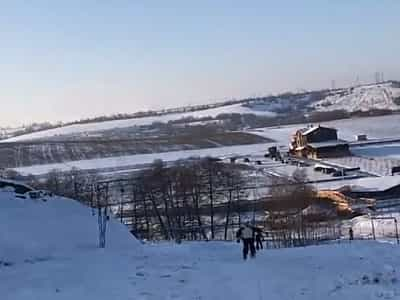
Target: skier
246, 234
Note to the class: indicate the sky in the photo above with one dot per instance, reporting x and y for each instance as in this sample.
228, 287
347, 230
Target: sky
71, 59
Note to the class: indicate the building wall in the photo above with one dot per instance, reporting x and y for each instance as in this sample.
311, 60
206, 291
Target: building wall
301, 140
329, 152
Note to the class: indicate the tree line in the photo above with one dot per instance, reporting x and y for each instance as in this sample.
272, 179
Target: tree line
199, 199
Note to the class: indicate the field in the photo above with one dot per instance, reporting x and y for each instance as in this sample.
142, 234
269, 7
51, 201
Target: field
130, 161
47, 152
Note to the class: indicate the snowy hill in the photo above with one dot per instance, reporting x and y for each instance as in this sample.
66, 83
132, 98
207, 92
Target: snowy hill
108, 125
383, 96
48, 251
362, 98
40, 230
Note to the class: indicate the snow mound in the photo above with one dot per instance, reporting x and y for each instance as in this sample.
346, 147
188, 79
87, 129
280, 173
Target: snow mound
37, 229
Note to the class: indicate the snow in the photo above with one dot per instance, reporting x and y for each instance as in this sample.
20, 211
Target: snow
141, 159
48, 251
107, 125
362, 98
310, 130
362, 184
384, 225
42, 229
378, 166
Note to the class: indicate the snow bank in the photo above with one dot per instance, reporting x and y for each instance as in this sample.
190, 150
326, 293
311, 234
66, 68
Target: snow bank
37, 229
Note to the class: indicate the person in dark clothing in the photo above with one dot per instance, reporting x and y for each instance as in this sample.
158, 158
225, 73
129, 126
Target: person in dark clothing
351, 234
246, 234
259, 236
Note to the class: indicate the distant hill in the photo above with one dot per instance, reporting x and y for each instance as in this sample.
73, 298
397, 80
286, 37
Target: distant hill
382, 96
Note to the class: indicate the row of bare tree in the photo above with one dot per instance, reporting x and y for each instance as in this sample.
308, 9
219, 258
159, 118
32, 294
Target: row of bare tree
196, 199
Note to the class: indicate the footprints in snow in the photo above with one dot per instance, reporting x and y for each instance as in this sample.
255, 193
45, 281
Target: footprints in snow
31, 261
174, 275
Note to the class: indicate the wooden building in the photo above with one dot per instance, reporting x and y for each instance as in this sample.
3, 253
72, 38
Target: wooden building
318, 142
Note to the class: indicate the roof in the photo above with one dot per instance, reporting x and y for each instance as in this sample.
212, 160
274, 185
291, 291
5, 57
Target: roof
367, 184
331, 143
19, 187
323, 166
306, 131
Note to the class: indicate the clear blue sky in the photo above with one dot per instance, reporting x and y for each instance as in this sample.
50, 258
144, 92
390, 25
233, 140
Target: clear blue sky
64, 60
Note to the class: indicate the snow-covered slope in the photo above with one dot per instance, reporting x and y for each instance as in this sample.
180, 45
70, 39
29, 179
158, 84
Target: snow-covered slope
107, 125
48, 251
362, 98
41, 230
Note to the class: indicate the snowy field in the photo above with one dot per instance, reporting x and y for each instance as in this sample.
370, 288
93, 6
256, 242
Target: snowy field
142, 159
48, 251
101, 126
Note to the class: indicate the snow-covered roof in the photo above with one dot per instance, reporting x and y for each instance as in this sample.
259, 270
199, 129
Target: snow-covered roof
322, 166
367, 184
19, 187
330, 143
308, 130
311, 129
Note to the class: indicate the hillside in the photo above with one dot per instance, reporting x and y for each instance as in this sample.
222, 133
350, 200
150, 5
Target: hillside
48, 251
385, 96
198, 130
382, 96
36, 153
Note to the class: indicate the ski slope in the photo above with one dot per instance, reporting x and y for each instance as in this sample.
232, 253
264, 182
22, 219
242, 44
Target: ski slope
48, 251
